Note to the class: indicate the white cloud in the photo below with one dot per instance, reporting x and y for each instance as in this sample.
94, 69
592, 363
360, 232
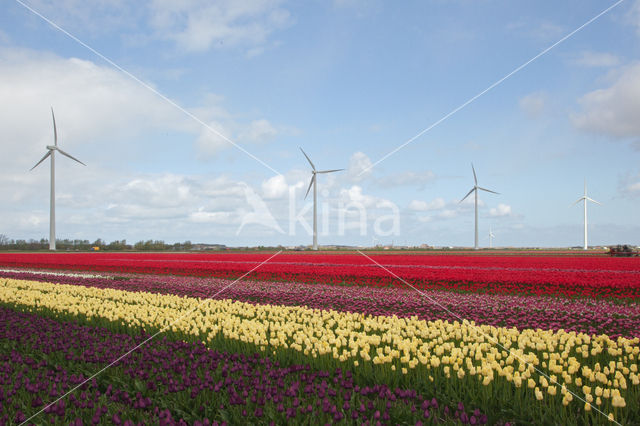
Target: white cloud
225, 130
143, 197
33, 220
95, 17
469, 202
210, 143
260, 214
597, 59
629, 185
501, 211
275, 187
633, 16
200, 25
96, 201
419, 205
359, 167
385, 204
354, 194
193, 25
161, 192
448, 214
613, 111
533, 104
94, 106
258, 131
98, 107
444, 210
222, 218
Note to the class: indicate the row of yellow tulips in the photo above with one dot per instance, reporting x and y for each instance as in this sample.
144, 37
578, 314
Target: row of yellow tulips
601, 372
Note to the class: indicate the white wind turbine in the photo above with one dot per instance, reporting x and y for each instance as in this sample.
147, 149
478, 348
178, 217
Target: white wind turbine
491, 237
585, 198
475, 189
51, 150
313, 182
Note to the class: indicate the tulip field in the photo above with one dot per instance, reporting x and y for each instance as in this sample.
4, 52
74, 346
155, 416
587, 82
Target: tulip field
202, 339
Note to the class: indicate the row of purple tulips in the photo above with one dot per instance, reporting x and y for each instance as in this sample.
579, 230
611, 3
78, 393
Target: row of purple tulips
172, 382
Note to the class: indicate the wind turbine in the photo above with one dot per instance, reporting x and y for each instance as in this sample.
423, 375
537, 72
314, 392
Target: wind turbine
313, 182
585, 198
475, 189
51, 151
491, 237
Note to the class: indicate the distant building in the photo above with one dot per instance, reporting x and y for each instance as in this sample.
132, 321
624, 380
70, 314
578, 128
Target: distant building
206, 247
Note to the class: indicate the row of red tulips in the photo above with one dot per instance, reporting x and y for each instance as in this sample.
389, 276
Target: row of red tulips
533, 262
566, 276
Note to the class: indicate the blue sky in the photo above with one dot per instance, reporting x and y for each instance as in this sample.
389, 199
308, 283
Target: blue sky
348, 81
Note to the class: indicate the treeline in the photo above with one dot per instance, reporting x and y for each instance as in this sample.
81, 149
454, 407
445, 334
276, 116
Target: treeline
7, 244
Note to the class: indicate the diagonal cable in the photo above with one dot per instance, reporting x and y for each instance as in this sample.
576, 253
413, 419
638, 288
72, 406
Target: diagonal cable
497, 83
490, 338
143, 84
148, 339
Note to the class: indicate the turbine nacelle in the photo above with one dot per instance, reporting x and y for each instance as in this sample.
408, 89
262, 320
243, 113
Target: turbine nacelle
586, 199
314, 172
54, 147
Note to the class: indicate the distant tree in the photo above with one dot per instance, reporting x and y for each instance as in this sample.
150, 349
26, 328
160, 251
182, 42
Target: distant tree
117, 245
158, 245
4, 240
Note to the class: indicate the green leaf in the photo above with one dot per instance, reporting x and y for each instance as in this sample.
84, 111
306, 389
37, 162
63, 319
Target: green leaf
140, 387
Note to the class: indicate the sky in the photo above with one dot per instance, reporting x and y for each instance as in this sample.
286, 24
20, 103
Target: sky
190, 117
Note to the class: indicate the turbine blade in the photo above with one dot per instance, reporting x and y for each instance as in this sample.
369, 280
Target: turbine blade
330, 171
70, 156
578, 200
55, 131
308, 159
593, 201
313, 178
468, 193
43, 158
475, 178
488, 190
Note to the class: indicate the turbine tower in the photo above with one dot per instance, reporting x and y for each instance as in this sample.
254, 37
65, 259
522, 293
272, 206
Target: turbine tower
475, 189
585, 198
51, 151
313, 182
491, 237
